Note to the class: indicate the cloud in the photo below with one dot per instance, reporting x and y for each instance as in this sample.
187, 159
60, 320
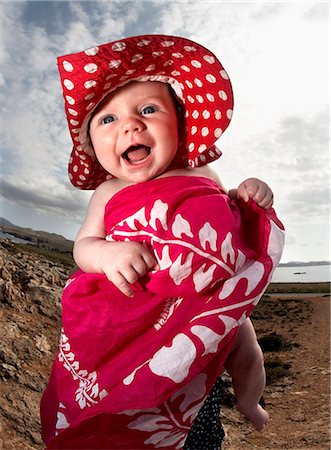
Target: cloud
275, 53
67, 203
266, 11
320, 11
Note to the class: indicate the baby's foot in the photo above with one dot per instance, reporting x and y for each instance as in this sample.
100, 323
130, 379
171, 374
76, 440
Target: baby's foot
257, 415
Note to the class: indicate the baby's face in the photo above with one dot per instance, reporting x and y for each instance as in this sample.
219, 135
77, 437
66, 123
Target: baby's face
134, 131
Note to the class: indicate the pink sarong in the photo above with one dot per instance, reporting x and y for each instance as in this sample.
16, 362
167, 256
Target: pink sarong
133, 372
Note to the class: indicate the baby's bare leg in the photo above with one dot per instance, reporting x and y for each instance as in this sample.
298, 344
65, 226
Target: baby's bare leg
245, 365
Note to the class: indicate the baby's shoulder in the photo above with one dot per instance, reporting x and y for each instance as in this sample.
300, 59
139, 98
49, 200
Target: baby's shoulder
106, 190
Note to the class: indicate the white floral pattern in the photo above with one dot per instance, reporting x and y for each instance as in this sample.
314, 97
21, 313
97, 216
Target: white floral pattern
167, 430
88, 393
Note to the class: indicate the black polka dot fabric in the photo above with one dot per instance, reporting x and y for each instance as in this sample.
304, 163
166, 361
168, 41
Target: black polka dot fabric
207, 432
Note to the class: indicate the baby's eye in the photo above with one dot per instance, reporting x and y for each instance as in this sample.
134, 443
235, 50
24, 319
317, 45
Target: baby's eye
107, 119
148, 110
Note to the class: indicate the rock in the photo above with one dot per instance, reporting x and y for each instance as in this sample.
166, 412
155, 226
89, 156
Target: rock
298, 416
30, 293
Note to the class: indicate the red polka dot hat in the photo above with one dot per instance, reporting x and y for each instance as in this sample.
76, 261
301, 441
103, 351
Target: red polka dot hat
195, 74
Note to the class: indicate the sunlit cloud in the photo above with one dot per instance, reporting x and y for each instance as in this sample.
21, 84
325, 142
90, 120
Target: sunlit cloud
275, 52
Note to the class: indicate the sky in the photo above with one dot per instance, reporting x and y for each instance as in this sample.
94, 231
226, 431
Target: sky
277, 56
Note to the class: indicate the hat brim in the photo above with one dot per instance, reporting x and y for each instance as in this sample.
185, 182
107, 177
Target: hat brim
195, 74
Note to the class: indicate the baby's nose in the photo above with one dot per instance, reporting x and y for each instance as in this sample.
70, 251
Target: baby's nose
132, 124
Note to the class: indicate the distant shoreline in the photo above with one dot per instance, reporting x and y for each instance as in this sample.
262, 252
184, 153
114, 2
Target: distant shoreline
274, 287
299, 287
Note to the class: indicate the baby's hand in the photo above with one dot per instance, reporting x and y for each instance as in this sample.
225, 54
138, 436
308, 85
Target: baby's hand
257, 190
125, 262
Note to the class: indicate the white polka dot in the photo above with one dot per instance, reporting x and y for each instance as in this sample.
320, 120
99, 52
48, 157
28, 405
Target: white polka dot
210, 59
218, 132
224, 75
89, 96
68, 67
86, 171
106, 86
91, 51
200, 98
218, 114
74, 122
112, 75
168, 63
196, 161
193, 130
75, 130
143, 42
211, 154
202, 148
189, 84
118, 46
187, 114
190, 99
191, 147
195, 114
81, 177
222, 95
205, 131
73, 112
70, 100
210, 97
187, 69
90, 106
114, 63
70, 176
196, 64
89, 84
130, 72
90, 68
79, 183
79, 148
136, 57
198, 82
211, 78
206, 114
229, 113
123, 78
75, 169
150, 68
203, 158
156, 54
218, 151
167, 43
175, 73
77, 139
178, 55
189, 48
68, 84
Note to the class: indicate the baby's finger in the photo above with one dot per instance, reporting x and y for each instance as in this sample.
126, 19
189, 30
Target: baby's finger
149, 259
122, 284
267, 201
242, 193
140, 267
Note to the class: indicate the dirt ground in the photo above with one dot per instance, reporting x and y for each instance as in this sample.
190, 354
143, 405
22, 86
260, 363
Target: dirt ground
298, 404
293, 329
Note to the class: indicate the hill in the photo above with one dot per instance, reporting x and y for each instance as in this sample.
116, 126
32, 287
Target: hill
42, 239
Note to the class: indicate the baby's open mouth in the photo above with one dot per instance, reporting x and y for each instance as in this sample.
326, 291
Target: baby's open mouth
136, 153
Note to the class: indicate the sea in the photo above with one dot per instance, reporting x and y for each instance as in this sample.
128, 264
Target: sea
283, 274
302, 274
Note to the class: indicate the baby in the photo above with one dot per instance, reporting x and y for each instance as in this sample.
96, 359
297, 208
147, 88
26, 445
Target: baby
170, 264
